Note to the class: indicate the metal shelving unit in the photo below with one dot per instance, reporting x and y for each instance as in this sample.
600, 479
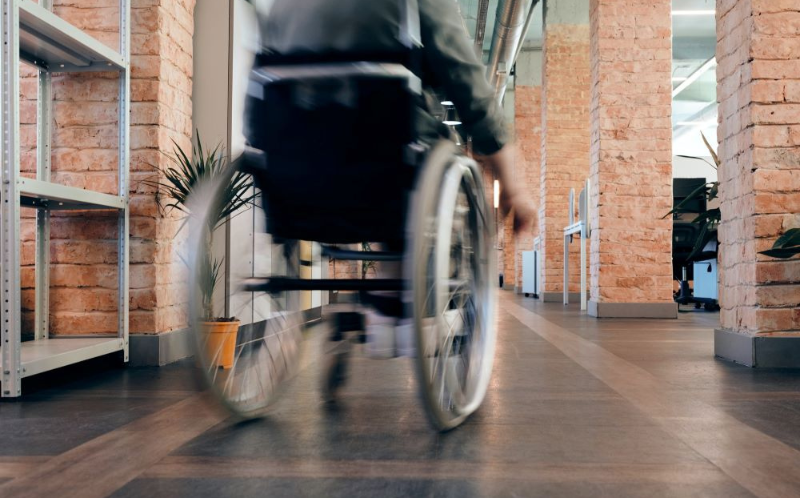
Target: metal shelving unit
32, 33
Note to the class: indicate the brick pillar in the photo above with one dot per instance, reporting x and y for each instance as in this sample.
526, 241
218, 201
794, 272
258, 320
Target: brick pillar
505, 224
84, 154
758, 55
565, 133
528, 161
631, 273
161, 111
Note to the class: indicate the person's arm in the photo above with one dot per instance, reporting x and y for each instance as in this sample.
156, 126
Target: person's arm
511, 197
449, 57
449, 54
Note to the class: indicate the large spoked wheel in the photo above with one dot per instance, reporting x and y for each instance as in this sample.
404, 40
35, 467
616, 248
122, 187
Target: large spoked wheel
449, 268
246, 371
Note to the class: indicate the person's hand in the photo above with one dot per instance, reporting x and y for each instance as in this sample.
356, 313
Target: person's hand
501, 163
524, 212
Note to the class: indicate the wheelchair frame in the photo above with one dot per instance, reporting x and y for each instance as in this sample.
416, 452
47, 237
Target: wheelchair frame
454, 322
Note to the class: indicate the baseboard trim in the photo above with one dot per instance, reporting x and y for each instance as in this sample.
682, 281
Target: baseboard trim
312, 315
633, 310
558, 297
757, 351
169, 347
159, 350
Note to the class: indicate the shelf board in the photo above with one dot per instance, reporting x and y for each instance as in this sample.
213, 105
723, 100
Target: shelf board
47, 195
53, 44
57, 352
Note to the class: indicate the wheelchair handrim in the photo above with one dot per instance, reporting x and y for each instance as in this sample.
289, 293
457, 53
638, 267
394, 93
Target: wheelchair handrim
447, 176
266, 351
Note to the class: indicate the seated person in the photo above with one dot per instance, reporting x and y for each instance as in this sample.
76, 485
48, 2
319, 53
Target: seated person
448, 63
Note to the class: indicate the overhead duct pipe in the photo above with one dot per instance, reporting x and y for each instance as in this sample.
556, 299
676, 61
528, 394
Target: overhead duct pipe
510, 27
480, 26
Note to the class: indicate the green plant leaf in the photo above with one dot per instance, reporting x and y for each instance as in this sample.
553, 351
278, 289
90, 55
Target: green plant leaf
711, 216
174, 190
782, 253
698, 159
702, 239
786, 246
788, 239
711, 150
700, 192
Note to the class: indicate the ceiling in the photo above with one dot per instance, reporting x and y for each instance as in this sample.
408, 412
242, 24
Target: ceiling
694, 44
469, 10
694, 110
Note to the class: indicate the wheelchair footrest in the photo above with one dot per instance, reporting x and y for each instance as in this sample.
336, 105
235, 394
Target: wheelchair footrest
282, 284
348, 255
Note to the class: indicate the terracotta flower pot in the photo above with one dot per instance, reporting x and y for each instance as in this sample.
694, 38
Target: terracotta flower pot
220, 342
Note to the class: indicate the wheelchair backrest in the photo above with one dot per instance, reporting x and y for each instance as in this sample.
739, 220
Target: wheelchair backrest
334, 118
337, 139
333, 106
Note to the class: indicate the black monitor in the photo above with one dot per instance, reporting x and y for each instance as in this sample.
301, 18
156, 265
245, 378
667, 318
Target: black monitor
683, 187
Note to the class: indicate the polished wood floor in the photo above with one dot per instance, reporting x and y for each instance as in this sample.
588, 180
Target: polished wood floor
577, 407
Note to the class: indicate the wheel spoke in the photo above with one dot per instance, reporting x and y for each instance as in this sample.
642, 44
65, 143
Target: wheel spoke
266, 352
453, 285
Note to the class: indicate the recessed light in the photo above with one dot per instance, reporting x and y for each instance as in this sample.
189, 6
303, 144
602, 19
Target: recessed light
447, 102
452, 123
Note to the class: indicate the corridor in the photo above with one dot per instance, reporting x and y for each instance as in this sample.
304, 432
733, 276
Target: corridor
577, 407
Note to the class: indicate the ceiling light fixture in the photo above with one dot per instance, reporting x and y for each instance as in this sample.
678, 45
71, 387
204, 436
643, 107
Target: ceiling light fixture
712, 62
694, 12
679, 78
452, 123
447, 102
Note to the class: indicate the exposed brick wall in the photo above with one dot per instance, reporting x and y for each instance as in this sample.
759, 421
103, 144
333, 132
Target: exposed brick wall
758, 55
344, 269
631, 151
83, 245
565, 143
528, 162
509, 252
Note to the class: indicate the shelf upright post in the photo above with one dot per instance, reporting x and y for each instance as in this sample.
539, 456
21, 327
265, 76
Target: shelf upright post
9, 211
44, 106
124, 160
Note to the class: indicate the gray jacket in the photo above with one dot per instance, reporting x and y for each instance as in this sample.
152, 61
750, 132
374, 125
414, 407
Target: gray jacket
449, 63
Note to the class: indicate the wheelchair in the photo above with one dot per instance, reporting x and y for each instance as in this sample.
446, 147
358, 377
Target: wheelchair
334, 158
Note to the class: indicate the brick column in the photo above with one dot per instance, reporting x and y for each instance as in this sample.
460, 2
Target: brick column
84, 154
505, 230
631, 247
161, 111
565, 133
758, 55
528, 135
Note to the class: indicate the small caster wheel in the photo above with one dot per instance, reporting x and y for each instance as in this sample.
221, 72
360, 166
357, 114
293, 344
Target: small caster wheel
334, 372
527, 295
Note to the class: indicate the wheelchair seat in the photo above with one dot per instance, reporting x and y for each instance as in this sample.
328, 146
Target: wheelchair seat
338, 148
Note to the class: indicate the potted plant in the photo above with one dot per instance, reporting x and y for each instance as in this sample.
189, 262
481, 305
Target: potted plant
708, 220
366, 266
181, 180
